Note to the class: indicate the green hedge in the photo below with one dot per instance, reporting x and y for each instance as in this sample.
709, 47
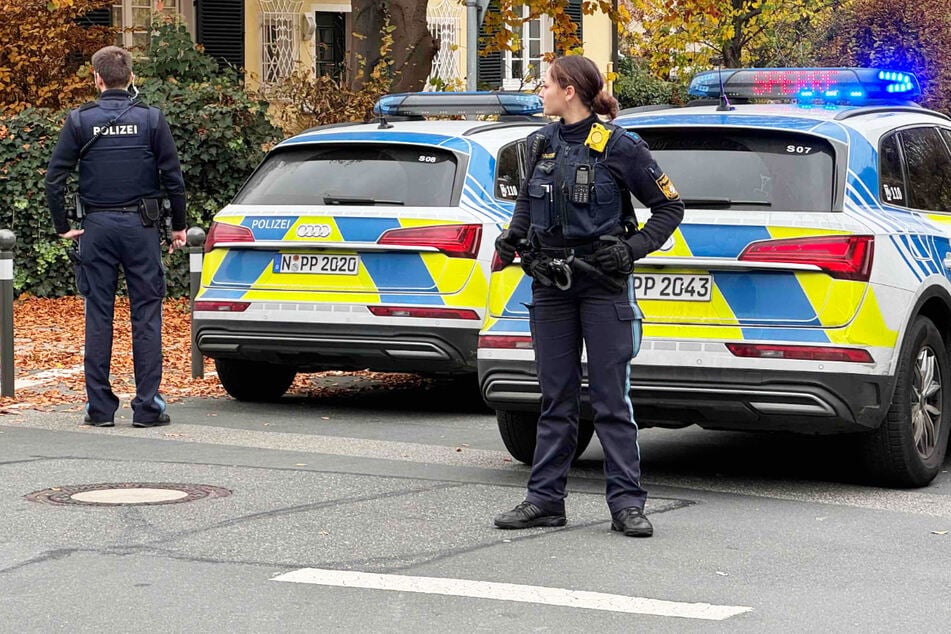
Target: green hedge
220, 129
636, 86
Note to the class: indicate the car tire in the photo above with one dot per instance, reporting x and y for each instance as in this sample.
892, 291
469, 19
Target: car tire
908, 449
254, 381
518, 431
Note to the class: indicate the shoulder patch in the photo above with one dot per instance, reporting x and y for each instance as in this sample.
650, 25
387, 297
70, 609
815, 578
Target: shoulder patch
633, 135
668, 189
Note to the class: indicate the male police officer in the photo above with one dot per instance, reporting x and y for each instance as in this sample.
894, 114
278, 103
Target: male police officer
126, 159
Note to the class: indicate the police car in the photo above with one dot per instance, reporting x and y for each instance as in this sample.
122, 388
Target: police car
807, 289
363, 246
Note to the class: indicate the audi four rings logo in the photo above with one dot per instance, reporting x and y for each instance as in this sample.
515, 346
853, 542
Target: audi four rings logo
313, 231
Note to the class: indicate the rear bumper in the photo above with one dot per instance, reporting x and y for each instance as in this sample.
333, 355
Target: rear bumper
314, 347
812, 403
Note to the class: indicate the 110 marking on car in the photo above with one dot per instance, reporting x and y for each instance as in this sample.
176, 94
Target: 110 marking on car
317, 263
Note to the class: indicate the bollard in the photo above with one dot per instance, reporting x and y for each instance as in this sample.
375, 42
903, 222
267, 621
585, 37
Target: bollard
196, 241
7, 241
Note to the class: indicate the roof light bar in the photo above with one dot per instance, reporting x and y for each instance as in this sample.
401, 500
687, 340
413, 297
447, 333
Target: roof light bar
848, 86
457, 103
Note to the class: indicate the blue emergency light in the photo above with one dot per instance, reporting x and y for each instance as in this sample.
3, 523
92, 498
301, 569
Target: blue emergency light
410, 104
846, 86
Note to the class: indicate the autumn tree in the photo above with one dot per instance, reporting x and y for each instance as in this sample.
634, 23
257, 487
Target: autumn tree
413, 49
505, 22
900, 34
680, 34
45, 44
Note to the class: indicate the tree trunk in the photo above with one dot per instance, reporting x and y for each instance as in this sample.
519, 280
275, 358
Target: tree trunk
413, 46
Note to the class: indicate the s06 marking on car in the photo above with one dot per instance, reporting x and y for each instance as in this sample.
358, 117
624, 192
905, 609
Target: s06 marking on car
363, 246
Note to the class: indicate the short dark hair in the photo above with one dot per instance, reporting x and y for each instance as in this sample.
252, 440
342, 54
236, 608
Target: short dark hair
114, 65
583, 74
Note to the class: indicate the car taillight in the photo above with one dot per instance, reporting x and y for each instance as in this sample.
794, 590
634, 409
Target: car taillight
807, 353
460, 241
217, 306
509, 342
426, 312
222, 232
496, 262
842, 257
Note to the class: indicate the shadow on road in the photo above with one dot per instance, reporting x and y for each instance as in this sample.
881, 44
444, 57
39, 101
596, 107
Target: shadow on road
402, 392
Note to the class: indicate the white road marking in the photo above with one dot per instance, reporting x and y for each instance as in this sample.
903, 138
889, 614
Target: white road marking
513, 592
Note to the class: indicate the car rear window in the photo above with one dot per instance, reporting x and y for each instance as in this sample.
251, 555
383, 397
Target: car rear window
355, 174
723, 168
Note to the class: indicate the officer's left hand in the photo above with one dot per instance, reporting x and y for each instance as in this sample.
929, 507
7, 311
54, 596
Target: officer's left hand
614, 257
178, 240
72, 234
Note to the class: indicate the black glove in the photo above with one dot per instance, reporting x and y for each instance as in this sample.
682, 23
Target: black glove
614, 256
505, 246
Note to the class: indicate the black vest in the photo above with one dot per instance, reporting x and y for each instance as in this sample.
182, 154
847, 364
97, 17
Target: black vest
119, 167
563, 210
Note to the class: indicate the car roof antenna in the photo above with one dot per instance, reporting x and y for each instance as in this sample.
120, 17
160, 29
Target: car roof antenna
383, 124
725, 105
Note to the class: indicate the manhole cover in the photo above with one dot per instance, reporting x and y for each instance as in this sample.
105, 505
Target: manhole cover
127, 494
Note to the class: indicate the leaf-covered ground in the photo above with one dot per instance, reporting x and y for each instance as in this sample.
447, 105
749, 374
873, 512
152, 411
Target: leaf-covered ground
48, 358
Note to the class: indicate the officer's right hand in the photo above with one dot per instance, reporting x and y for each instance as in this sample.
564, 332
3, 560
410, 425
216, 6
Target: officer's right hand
505, 247
72, 234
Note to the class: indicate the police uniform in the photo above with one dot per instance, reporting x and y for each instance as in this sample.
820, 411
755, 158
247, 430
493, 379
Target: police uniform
132, 159
576, 193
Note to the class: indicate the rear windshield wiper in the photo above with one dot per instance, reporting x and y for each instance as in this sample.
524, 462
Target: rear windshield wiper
723, 202
343, 200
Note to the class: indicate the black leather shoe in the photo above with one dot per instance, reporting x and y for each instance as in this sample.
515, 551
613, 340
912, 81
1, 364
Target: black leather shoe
527, 515
163, 419
631, 522
97, 423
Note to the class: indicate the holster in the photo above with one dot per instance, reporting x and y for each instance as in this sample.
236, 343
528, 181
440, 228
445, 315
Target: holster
150, 210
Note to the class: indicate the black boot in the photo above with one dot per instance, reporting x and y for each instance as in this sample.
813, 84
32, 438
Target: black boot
631, 522
527, 515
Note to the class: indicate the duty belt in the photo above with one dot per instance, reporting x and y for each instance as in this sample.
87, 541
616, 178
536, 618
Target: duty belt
125, 209
559, 271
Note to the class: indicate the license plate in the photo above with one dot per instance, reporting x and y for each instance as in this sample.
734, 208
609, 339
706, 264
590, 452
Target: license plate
668, 286
317, 263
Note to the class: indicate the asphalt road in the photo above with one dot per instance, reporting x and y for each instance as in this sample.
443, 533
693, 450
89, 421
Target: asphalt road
370, 509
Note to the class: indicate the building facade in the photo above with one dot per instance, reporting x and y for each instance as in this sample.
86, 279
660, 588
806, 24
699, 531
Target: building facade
270, 38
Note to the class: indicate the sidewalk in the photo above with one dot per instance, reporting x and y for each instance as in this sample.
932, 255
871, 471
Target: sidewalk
48, 359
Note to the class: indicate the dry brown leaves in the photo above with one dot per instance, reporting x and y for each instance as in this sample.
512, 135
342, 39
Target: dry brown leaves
48, 359
48, 339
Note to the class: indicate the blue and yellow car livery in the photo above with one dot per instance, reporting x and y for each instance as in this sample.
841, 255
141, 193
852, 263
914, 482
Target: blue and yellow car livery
357, 247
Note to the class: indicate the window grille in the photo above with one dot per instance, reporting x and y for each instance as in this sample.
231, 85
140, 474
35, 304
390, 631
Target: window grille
280, 38
443, 19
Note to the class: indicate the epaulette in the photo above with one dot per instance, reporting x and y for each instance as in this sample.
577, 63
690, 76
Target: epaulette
87, 106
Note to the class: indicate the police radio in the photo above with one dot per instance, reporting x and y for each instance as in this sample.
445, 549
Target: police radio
581, 191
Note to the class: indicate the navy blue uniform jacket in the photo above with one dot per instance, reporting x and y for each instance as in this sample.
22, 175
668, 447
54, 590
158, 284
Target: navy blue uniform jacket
136, 158
635, 170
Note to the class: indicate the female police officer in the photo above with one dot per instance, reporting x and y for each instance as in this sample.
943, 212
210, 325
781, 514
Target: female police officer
569, 228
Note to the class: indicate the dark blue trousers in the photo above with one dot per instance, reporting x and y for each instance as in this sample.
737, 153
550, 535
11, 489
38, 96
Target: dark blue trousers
110, 240
608, 323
